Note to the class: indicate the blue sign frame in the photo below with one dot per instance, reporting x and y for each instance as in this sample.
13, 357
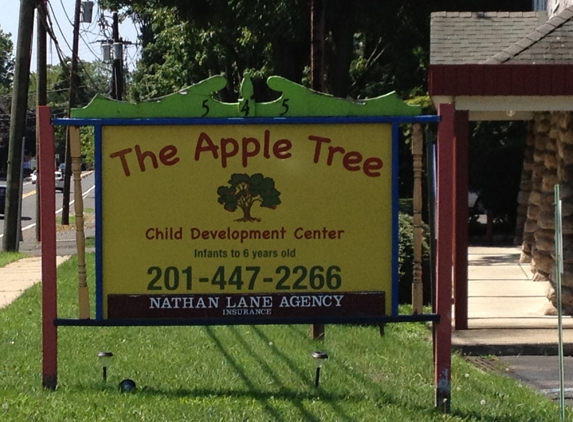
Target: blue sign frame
99, 123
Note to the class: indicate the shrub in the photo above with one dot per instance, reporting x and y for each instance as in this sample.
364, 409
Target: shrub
406, 259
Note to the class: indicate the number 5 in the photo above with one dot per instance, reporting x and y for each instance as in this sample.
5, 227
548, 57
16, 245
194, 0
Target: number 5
285, 105
206, 107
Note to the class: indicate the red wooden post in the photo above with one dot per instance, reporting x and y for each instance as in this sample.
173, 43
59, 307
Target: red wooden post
460, 253
48, 234
445, 196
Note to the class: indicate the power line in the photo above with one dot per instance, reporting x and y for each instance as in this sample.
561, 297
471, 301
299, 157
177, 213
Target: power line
54, 91
66, 13
59, 27
50, 30
60, 53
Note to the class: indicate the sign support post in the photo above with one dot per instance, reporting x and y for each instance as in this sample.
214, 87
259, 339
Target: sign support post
48, 235
443, 328
287, 213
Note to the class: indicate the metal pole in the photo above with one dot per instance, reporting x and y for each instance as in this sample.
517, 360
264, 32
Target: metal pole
558, 273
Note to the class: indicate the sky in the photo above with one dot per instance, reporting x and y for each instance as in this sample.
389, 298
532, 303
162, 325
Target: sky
62, 16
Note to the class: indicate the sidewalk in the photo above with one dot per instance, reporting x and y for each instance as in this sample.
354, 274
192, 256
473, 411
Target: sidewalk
16, 277
19, 276
506, 308
506, 318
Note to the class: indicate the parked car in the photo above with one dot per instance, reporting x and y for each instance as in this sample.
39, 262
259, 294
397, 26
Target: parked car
59, 181
34, 177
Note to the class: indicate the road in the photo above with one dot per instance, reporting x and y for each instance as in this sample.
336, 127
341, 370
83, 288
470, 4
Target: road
29, 197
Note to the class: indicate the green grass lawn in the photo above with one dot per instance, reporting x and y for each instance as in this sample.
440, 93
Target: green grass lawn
240, 373
8, 257
90, 242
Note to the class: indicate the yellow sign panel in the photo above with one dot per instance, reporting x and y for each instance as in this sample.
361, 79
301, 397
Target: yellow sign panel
241, 209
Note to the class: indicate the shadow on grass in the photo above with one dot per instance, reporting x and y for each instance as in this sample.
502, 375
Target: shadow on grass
299, 330
265, 367
295, 397
261, 398
285, 358
361, 380
301, 374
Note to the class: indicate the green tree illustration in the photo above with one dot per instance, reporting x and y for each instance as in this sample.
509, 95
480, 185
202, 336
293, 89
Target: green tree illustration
245, 190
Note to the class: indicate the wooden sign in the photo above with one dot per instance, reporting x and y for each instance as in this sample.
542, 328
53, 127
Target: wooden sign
290, 209
222, 213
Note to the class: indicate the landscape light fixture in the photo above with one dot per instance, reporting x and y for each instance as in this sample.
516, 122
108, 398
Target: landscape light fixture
319, 358
104, 360
127, 386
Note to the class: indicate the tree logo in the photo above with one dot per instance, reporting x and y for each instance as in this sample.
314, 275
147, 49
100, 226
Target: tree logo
245, 190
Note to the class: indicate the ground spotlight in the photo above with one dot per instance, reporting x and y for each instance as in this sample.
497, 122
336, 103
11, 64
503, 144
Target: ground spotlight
127, 386
104, 360
319, 358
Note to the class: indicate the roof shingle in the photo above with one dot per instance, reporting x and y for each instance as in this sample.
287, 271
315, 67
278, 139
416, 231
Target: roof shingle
474, 37
555, 46
501, 37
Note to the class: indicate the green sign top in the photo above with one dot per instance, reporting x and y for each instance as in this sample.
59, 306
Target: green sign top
295, 101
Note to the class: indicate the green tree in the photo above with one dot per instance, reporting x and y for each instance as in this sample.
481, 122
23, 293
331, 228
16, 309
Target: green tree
6, 75
93, 79
372, 46
87, 137
185, 42
6, 62
244, 191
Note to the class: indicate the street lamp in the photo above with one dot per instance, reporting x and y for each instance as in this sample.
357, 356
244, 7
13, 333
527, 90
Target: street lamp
319, 358
104, 360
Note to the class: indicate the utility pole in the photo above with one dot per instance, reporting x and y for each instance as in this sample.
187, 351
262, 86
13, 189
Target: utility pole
117, 69
317, 45
71, 104
10, 241
42, 97
317, 83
